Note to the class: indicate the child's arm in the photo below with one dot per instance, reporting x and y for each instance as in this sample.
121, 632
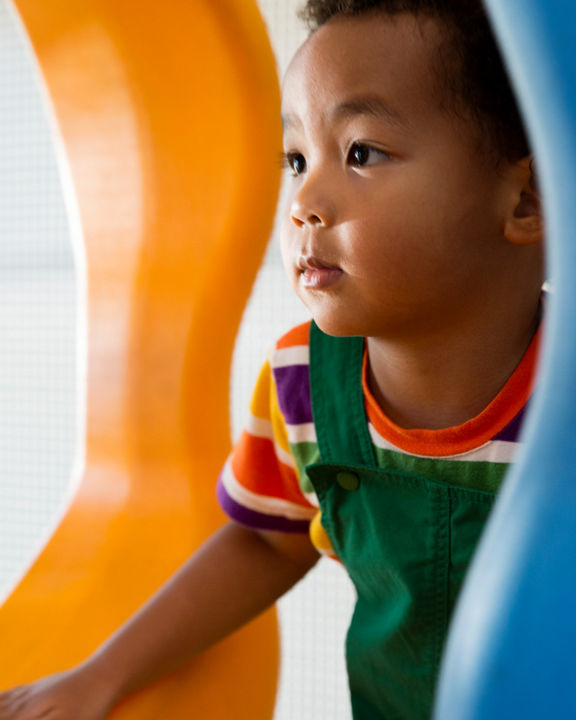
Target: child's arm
236, 575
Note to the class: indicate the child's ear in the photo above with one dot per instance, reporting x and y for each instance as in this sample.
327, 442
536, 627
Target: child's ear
524, 224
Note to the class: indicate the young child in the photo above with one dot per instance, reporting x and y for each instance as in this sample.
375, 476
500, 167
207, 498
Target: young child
412, 234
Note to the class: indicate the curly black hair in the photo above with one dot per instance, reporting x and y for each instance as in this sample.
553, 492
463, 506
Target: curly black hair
469, 64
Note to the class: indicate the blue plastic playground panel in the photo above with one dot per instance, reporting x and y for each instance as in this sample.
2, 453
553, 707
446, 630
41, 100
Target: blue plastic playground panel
511, 652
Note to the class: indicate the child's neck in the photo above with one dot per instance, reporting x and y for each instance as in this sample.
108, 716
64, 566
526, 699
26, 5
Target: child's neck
435, 383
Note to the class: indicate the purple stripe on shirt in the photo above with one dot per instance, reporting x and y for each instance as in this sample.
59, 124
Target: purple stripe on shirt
256, 520
293, 384
511, 432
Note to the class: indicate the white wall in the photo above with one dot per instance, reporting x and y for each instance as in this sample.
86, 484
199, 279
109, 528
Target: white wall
39, 420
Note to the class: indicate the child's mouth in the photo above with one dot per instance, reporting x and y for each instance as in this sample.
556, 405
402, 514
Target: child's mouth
316, 274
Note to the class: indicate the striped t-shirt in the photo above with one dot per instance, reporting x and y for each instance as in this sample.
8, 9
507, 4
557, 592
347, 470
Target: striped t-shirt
264, 484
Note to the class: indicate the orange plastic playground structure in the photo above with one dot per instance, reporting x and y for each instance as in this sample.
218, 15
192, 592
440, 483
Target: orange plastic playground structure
169, 118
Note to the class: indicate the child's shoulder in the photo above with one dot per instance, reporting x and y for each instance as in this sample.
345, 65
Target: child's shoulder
288, 372
287, 364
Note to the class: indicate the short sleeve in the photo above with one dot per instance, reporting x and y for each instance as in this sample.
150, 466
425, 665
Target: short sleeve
259, 485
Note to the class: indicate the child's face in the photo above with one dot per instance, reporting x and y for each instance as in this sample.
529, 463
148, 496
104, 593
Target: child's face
394, 223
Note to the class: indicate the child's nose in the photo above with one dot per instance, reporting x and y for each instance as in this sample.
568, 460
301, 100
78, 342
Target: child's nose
311, 205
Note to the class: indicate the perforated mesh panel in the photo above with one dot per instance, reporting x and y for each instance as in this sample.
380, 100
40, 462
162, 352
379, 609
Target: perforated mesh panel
39, 419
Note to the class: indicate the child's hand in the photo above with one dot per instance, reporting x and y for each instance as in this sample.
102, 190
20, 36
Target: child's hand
70, 695
175, 625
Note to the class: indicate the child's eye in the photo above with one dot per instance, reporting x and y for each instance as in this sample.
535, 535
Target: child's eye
294, 161
362, 155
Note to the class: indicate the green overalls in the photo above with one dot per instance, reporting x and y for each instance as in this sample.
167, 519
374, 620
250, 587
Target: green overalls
405, 541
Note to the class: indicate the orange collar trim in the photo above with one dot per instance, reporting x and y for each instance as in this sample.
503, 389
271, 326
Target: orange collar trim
472, 434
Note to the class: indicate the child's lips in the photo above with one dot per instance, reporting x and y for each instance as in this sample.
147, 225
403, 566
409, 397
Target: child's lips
316, 274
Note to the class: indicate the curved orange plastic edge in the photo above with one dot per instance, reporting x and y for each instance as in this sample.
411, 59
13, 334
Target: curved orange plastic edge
169, 116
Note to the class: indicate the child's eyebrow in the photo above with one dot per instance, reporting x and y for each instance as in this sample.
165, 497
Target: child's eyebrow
374, 106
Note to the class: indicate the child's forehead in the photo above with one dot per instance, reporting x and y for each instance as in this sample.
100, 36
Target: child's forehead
373, 54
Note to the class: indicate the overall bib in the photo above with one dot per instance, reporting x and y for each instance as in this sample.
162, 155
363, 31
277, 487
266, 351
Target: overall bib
405, 540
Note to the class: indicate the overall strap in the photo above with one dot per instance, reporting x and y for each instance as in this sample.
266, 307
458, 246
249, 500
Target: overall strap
337, 399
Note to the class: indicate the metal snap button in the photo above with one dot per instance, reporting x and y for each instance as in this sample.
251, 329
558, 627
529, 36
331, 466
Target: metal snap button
348, 480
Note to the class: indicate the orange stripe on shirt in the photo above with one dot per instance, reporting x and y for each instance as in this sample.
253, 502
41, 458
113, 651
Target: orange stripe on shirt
257, 468
297, 336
